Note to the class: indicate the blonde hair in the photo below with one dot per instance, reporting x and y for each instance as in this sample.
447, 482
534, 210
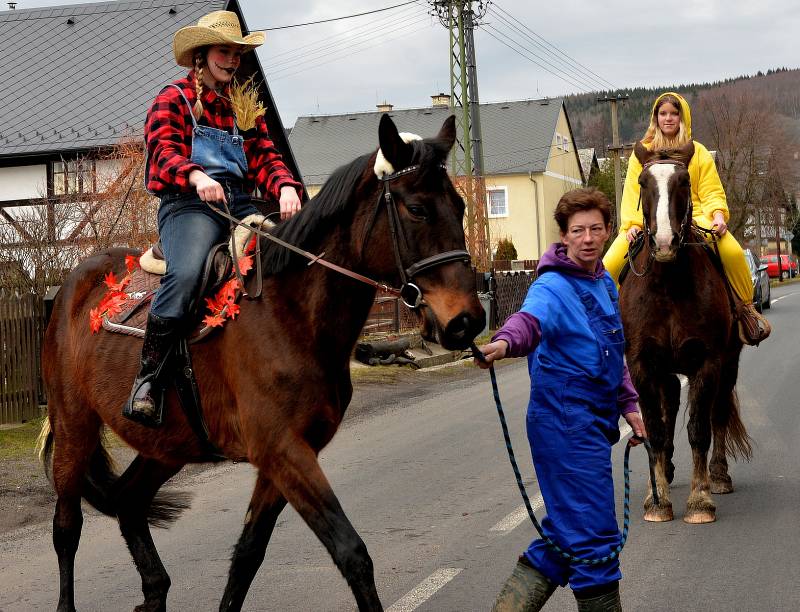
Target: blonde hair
655, 137
199, 62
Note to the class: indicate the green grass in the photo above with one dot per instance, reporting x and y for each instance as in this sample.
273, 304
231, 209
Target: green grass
19, 442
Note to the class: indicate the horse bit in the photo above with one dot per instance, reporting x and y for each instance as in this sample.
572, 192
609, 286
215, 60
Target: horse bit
409, 293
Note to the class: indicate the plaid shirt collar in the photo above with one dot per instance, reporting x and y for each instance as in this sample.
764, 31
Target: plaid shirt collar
210, 96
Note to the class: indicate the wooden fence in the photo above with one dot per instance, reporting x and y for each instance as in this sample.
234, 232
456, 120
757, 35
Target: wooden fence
21, 330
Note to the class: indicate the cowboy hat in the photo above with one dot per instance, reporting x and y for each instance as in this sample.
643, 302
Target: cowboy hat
217, 28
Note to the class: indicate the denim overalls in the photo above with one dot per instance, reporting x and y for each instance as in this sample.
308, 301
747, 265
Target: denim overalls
188, 227
572, 423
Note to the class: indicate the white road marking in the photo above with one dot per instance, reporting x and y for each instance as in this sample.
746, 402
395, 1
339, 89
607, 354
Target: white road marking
784, 296
513, 520
424, 590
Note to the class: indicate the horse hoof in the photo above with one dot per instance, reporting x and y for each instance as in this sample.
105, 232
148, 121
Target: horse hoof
722, 486
700, 517
659, 515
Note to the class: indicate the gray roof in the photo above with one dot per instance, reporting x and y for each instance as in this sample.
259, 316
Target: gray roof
517, 136
86, 84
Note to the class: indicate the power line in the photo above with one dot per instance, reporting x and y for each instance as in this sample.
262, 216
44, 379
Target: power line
298, 25
575, 78
323, 52
565, 67
574, 61
368, 25
515, 50
381, 40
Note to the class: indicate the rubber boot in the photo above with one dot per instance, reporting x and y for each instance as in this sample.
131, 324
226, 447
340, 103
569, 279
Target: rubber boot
145, 404
753, 326
601, 600
526, 590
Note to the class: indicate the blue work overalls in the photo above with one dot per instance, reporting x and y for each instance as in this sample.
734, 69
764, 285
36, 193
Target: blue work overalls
572, 422
188, 227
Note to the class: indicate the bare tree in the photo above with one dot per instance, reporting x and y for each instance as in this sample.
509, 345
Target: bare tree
752, 143
43, 241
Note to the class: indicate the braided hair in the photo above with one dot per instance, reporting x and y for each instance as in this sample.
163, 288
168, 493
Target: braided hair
199, 63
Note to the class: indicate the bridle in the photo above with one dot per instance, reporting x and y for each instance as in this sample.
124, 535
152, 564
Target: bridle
685, 226
409, 293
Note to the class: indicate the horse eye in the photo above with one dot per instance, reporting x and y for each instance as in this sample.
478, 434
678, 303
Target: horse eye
417, 211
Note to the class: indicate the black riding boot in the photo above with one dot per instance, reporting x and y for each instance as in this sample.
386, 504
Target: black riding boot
145, 403
600, 599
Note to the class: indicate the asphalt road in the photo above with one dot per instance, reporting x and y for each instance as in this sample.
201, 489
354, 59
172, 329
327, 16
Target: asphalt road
428, 486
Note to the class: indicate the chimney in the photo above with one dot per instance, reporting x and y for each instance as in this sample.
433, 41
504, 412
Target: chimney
440, 100
385, 107
12, 6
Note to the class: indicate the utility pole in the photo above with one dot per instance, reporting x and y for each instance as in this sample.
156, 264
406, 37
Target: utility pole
615, 149
459, 17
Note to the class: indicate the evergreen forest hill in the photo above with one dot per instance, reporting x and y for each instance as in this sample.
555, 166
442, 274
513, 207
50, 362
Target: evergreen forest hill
777, 90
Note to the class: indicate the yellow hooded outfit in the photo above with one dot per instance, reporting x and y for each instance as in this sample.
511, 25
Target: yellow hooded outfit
708, 196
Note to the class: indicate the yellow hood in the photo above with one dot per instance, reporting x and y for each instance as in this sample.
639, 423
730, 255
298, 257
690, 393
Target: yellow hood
686, 114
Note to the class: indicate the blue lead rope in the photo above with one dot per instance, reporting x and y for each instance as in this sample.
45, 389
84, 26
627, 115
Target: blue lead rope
626, 504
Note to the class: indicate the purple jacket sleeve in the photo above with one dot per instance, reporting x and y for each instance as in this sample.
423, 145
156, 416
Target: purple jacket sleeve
627, 397
522, 332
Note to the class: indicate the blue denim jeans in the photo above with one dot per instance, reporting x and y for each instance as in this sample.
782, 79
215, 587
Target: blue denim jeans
188, 229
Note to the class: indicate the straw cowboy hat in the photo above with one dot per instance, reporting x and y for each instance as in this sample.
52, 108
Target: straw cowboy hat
217, 28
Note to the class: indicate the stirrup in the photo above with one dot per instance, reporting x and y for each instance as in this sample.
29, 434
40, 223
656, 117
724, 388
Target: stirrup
140, 413
753, 326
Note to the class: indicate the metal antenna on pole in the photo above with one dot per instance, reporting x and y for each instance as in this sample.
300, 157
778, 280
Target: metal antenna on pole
459, 17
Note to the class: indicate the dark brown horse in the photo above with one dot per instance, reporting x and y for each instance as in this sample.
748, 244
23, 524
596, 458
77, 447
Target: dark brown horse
275, 385
678, 319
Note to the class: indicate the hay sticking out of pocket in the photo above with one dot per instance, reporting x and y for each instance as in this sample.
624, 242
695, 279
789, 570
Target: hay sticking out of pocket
246, 105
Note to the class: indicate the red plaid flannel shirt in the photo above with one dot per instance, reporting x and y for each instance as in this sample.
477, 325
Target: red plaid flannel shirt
168, 134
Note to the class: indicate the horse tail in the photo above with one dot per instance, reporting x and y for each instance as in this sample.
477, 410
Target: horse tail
44, 448
101, 478
738, 443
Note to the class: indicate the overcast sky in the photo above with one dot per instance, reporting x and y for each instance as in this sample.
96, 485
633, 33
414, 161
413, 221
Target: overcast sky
401, 55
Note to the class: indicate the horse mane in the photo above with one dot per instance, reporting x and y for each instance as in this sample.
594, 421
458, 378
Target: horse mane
314, 217
334, 198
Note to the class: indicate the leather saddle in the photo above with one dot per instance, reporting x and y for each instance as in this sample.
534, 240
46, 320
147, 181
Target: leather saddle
146, 279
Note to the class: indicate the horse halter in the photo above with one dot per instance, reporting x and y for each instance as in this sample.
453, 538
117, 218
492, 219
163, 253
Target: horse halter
410, 293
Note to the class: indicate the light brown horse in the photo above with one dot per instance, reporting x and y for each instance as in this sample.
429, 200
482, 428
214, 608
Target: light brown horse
677, 316
275, 384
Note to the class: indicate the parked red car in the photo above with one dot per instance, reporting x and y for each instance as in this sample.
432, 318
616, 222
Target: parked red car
788, 266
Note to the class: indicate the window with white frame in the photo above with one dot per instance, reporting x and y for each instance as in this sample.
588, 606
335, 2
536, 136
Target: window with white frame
73, 176
497, 201
558, 140
566, 143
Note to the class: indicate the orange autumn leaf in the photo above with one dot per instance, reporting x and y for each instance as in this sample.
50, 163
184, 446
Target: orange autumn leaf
214, 320
110, 280
245, 264
131, 262
95, 320
232, 310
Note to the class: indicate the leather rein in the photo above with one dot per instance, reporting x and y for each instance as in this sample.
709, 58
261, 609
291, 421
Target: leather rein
410, 293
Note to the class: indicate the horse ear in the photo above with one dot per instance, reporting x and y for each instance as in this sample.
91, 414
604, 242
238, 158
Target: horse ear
641, 153
396, 152
447, 135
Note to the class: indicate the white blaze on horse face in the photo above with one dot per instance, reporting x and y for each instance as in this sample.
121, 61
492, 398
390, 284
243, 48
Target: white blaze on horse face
662, 172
